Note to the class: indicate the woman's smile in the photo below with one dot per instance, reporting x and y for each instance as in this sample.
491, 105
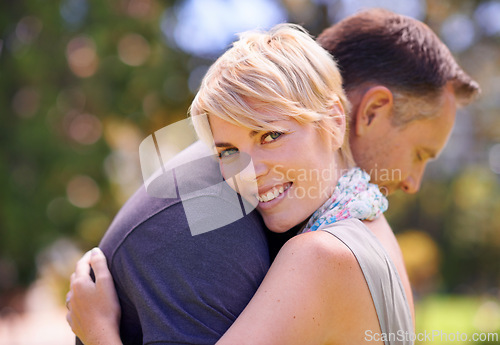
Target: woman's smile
275, 194
293, 168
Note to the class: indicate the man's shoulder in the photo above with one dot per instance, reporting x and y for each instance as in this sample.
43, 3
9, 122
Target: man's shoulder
146, 202
138, 209
203, 203
200, 254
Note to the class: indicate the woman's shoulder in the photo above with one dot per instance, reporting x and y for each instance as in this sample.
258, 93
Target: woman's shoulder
332, 281
330, 265
318, 243
323, 253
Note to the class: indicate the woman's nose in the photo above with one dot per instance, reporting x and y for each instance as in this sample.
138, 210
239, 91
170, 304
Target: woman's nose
244, 166
254, 167
247, 174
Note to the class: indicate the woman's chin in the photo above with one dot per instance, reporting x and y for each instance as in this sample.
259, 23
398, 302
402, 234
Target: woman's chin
279, 230
277, 227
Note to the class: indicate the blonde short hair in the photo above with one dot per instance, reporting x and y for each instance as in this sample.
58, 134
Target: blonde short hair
268, 76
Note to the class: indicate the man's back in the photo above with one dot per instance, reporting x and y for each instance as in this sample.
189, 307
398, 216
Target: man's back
176, 288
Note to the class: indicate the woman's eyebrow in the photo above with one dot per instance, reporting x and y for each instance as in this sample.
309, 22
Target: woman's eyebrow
224, 144
253, 134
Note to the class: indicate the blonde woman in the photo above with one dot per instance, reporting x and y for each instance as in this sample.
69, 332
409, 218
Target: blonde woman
276, 96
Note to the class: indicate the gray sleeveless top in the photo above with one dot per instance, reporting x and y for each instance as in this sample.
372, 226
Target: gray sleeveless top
383, 280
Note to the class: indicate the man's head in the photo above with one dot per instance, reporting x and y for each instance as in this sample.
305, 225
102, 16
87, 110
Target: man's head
404, 86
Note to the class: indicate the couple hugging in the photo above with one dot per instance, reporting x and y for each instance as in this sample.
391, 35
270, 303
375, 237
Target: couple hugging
377, 92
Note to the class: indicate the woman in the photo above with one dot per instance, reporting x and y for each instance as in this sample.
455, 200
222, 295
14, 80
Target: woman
277, 97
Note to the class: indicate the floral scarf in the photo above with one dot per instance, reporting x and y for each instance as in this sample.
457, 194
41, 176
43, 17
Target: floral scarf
353, 197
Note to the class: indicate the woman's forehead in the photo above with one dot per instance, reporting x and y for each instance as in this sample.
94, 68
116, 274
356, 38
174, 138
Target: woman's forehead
255, 123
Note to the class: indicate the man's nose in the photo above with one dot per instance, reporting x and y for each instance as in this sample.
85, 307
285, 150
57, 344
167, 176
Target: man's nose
412, 183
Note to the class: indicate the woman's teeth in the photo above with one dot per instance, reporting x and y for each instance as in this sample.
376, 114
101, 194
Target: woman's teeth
272, 194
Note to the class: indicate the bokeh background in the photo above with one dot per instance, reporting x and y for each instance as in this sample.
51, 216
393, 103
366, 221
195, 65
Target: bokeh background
83, 82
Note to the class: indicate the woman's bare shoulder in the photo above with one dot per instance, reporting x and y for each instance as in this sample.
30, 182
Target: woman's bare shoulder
327, 262
318, 246
314, 293
334, 274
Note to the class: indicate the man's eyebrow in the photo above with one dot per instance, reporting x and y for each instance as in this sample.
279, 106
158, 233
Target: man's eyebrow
223, 144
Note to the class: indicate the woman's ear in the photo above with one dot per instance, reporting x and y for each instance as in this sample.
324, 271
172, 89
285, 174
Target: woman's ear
375, 106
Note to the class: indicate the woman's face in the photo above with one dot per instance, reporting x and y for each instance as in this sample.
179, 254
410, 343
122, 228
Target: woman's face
294, 171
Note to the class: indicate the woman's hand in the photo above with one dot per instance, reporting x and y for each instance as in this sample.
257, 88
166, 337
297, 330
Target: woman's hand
93, 308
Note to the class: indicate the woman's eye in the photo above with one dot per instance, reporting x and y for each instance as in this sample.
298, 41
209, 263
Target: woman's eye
227, 153
271, 136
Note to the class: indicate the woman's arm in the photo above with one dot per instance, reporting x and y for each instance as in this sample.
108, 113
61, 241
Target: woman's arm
314, 293
93, 308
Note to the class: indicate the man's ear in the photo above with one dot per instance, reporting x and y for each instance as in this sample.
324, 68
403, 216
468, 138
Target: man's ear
339, 121
375, 105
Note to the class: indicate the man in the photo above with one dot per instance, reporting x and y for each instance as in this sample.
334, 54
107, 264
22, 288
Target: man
176, 288
162, 272
404, 86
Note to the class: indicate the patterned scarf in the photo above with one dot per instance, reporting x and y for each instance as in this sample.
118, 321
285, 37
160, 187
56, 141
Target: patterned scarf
353, 197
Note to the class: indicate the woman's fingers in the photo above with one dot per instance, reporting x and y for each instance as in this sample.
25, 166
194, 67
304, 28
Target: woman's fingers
68, 298
93, 306
69, 321
99, 265
104, 281
83, 266
93, 259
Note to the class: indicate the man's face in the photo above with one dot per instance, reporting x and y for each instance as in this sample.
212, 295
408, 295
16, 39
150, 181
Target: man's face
396, 157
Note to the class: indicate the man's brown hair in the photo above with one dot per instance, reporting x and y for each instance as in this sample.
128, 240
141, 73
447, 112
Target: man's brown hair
380, 47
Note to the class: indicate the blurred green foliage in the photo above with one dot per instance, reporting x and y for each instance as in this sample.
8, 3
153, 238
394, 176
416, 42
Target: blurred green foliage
447, 319
46, 136
83, 82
